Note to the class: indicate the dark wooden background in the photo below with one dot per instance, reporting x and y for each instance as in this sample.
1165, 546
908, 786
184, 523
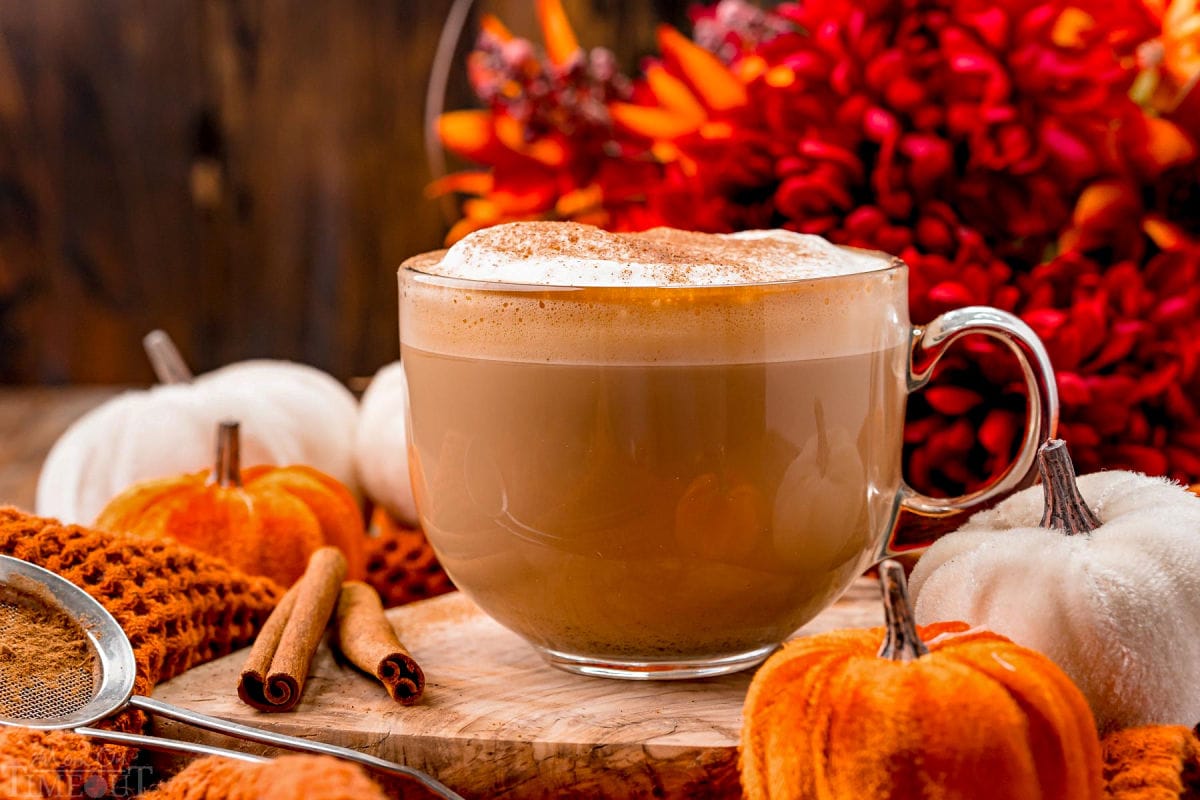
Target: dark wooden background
246, 174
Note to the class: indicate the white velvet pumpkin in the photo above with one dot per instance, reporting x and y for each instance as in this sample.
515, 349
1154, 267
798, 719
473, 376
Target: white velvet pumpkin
381, 444
1116, 607
290, 414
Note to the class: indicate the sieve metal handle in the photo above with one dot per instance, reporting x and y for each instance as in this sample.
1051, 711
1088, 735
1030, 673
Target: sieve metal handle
290, 743
167, 745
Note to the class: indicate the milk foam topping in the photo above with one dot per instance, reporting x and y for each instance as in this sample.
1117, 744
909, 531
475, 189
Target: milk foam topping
571, 254
569, 293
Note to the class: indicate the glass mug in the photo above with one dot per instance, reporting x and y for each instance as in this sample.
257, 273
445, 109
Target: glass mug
666, 482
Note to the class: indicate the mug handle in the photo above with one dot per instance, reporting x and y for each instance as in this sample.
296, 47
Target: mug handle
929, 344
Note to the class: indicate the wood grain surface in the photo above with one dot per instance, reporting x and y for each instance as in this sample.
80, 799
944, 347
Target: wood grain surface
498, 722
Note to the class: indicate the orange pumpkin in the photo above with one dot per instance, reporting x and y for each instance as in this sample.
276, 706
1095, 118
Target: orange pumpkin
263, 520
943, 712
720, 518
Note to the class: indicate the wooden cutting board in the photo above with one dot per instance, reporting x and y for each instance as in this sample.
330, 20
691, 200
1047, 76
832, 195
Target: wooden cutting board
497, 722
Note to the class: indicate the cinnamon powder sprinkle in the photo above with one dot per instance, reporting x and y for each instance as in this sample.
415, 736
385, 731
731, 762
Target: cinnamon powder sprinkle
47, 666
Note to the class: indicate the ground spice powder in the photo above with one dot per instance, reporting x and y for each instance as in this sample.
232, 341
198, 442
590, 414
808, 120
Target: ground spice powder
47, 665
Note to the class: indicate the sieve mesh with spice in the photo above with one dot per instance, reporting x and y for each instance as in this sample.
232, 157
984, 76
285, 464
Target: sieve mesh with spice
65, 663
48, 669
60, 665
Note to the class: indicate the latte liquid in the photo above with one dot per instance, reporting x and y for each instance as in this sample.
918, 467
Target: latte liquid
647, 512
655, 473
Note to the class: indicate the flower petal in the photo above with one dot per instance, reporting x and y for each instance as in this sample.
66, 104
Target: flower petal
468, 133
473, 182
1099, 200
674, 94
463, 227
1166, 144
546, 150
1164, 233
561, 44
1070, 27
719, 89
652, 122
491, 24
579, 201
952, 400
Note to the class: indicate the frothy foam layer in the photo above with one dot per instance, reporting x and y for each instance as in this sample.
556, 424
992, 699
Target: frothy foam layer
570, 254
715, 309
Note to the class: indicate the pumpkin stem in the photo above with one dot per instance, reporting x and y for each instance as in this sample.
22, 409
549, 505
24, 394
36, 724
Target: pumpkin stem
168, 364
227, 472
900, 642
1065, 507
822, 438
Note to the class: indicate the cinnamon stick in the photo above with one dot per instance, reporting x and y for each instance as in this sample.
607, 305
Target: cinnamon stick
367, 639
274, 674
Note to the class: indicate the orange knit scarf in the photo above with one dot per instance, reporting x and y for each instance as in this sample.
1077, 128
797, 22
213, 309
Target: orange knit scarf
1155, 762
177, 606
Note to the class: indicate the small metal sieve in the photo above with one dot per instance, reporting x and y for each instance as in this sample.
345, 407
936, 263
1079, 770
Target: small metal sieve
78, 698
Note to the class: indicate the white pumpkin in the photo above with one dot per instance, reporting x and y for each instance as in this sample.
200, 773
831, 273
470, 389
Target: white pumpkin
1108, 586
290, 414
381, 444
816, 520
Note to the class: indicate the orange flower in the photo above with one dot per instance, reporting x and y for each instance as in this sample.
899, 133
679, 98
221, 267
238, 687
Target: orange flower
547, 134
527, 188
684, 105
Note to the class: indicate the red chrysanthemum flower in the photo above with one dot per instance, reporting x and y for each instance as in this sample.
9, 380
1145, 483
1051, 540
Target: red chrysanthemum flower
1035, 155
964, 427
1125, 340
1004, 110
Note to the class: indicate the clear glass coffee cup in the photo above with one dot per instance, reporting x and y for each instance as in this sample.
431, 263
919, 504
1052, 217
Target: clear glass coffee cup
666, 482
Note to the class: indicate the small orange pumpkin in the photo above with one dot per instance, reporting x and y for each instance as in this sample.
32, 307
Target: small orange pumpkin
962, 714
264, 520
719, 518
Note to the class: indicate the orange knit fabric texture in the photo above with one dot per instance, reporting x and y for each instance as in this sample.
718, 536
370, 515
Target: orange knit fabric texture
285, 778
401, 564
1155, 762
178, 607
